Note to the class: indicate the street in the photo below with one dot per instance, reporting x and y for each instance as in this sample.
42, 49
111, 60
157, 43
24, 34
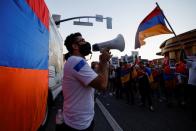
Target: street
126, 117
136, 118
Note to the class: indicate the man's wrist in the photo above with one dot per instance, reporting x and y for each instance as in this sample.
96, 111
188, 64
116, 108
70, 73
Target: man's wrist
104, 64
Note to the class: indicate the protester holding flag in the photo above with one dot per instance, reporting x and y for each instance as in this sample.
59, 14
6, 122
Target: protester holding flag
144, 86
125, 79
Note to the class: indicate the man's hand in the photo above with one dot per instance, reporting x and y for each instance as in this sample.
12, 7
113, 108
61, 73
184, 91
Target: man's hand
105, 56
101, 81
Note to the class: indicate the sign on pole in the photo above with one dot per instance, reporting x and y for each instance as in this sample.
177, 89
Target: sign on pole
115, 61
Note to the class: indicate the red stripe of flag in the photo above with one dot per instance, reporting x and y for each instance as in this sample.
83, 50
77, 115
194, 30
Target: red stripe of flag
154, 13
41, 10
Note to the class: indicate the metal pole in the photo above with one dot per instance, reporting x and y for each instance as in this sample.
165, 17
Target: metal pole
166, 19
72, 18
182, 47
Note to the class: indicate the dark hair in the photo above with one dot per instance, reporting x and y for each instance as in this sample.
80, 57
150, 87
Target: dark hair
70, 40
66, 56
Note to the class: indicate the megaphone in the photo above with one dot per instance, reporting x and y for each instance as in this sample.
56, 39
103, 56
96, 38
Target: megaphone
117, 43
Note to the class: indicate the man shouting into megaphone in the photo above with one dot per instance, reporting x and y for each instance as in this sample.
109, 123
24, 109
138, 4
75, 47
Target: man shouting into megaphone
79, 82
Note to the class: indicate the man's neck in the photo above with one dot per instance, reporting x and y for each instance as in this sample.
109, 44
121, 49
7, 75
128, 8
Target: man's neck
77, 54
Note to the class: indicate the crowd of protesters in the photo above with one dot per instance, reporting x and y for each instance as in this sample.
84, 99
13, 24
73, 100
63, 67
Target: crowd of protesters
149, 82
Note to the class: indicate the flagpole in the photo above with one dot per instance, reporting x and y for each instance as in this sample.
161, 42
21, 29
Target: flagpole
182, 47
166, 19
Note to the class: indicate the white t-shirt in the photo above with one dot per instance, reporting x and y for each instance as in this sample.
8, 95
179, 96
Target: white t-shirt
78, 106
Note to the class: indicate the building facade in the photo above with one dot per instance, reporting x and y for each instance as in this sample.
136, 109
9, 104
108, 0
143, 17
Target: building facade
171, 48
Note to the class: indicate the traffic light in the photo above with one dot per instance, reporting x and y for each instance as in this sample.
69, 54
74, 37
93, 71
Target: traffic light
109, 22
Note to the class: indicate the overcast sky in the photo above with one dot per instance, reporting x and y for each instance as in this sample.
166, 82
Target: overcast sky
126, 17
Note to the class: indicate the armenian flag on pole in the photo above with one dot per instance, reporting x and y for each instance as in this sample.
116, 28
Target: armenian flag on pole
152, 25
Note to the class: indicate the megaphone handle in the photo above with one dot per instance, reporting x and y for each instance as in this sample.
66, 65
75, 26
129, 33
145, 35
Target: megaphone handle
105, 56
104, 49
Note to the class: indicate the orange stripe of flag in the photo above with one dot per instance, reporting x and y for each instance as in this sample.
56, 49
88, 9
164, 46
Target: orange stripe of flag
23, 98
155, 30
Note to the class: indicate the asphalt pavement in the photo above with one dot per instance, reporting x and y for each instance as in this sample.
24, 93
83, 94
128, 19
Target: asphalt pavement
137, 118
116, 115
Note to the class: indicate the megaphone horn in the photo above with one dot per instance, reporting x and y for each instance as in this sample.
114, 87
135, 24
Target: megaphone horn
117, 43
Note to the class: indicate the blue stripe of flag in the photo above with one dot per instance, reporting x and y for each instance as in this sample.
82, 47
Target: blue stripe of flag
24, 39
125, 72
159, 19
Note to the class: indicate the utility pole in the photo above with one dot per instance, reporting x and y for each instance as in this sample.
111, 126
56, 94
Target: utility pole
99, 18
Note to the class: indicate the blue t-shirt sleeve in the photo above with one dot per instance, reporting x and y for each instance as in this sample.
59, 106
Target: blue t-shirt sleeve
83, 72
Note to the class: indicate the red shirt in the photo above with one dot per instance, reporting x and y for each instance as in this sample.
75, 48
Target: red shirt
181, 68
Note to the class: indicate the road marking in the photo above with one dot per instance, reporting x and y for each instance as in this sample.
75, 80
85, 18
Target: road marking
108, 116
